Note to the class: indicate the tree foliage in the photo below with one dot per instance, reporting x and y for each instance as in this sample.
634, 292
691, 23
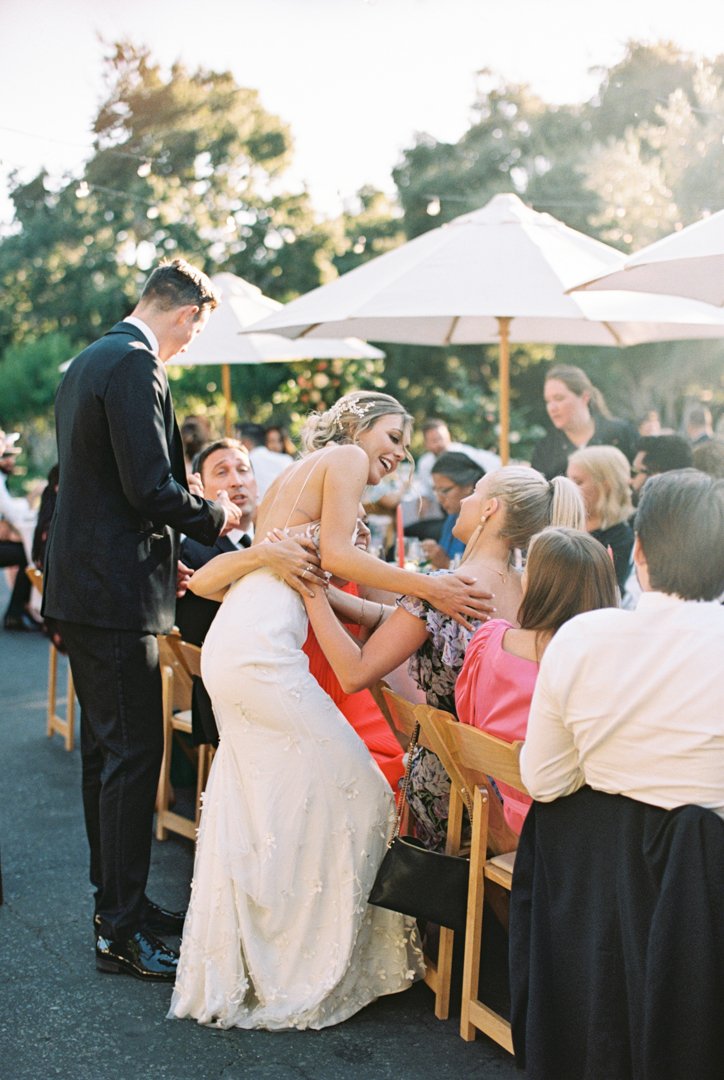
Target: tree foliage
189, 162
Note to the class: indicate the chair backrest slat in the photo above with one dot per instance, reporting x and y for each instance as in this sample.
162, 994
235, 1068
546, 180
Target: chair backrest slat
403, 714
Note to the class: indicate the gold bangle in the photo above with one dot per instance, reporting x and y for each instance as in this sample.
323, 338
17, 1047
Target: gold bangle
362, 611
380, 617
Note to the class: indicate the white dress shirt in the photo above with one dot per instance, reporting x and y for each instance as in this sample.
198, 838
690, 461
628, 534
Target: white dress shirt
632, 703
145, 330
267, 465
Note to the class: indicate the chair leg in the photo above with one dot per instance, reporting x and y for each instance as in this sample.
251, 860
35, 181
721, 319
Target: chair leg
52, 685
202, 767
164, 780
474, 922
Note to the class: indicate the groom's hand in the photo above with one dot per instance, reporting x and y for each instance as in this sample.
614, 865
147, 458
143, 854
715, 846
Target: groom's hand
232, 511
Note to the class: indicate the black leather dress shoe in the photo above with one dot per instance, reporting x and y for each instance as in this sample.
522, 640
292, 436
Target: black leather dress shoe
160, 921
156, 920
141, 955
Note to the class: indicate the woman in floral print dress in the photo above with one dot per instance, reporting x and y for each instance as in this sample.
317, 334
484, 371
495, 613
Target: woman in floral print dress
507, 507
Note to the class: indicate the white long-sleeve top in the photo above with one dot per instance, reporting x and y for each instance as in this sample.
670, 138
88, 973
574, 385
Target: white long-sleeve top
632, 703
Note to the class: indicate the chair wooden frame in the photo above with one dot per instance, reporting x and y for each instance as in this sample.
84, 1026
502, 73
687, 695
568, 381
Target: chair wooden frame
56, 724
404, 717
177, 669
471, 757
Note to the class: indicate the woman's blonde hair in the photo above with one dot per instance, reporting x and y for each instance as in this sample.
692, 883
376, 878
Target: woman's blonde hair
610, 471
531, 502
349, 417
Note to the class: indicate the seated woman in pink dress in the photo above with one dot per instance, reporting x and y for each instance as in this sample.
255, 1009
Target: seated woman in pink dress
567, 572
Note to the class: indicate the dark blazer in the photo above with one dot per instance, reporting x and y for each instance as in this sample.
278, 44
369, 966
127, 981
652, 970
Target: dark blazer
194, 615
550, 455
617, 941
122, 497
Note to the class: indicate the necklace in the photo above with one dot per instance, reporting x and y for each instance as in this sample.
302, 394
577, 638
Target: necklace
502, 575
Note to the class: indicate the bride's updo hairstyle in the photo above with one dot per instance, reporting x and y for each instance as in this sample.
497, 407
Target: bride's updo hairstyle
349, 417
531, 503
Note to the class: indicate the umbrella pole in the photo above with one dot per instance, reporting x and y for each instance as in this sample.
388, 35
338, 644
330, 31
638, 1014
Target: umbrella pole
504, 388
226, 384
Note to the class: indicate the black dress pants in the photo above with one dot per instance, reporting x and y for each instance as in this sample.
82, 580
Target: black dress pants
118, 683
12, 553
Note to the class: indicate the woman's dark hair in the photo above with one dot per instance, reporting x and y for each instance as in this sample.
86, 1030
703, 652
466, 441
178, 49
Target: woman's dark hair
578, 383
568, 572
680, 526
288, 446
459, 468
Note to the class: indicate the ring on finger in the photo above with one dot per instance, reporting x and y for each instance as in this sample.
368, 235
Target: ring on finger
304, 574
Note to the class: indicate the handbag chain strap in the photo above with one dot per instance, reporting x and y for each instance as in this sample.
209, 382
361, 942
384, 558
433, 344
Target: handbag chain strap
405, 783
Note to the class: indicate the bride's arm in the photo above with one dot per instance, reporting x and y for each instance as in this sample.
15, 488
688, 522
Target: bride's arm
358, 666
294, 561
344, 482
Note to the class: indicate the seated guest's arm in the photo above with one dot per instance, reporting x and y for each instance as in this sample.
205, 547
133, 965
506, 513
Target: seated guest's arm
294, 561
358, 609
549, 762
358, 665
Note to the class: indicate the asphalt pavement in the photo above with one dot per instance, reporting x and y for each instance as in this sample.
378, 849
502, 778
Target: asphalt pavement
59, 1017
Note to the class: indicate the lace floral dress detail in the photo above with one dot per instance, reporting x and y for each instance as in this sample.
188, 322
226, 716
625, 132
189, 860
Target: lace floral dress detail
294, 827
435, 668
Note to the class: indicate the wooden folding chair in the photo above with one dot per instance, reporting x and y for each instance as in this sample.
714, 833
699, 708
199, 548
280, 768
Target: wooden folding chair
176, 687
405, 716
190, 657
471, 757
57, 724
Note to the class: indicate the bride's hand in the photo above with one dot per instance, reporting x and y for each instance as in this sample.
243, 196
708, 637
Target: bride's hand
456, 595
295, 561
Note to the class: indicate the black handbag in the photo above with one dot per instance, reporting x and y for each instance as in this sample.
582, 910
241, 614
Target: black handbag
416, 881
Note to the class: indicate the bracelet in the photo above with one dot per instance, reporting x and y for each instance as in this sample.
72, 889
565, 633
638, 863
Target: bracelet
380, 618
362, 611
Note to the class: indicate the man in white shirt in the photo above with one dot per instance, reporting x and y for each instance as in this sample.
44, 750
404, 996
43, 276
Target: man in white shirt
267, 464
437, 439
16, 540
632, 702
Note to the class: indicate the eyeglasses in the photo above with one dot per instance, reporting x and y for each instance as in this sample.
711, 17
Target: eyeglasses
444, 491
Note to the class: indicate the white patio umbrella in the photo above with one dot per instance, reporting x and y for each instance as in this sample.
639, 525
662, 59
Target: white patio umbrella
686, 263
499, 274
222, 342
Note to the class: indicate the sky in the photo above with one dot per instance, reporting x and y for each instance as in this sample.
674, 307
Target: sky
354, 79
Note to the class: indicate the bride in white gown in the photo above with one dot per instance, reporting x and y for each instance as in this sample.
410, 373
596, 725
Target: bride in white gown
296, 812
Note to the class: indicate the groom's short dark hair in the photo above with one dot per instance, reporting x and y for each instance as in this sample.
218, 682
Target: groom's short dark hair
178, 283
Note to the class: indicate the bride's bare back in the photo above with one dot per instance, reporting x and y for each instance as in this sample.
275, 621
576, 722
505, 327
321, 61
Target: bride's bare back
296, 498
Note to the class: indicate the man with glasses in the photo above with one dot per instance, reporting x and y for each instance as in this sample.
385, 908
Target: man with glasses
658, 454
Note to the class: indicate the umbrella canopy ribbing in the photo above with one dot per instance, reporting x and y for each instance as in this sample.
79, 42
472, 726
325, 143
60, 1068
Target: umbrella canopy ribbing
499, 274
687, 263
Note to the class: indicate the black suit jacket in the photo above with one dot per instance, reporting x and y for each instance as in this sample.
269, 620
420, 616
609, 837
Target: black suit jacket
113, 547
194, 615
617, 941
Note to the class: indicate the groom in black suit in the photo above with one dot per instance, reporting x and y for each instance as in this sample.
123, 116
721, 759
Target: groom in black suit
110, 585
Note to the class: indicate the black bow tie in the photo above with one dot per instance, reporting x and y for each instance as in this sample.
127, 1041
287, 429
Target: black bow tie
245, 540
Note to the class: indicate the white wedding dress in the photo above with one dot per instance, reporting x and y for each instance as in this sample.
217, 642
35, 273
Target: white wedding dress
295, 821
